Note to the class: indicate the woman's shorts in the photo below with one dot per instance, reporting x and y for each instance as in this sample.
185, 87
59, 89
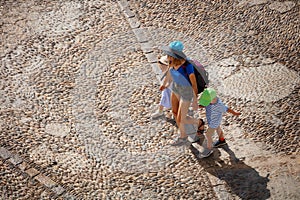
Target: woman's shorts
185, 92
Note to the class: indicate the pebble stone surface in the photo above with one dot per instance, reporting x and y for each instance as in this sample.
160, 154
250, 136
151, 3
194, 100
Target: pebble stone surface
78, 86
254, 41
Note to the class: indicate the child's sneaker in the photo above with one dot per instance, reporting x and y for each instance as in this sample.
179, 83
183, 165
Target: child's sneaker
206, 153
180, 142
219, 143
157, 114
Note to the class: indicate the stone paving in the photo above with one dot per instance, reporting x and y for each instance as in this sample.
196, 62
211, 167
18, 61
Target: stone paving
79, 83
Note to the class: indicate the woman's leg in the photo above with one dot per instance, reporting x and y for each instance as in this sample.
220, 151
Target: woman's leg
184, 109
179, 117
184, 118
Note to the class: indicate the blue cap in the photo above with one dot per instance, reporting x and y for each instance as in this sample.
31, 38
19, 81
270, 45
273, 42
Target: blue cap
176, 45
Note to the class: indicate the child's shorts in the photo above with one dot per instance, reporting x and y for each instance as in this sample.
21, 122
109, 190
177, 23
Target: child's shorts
165, 100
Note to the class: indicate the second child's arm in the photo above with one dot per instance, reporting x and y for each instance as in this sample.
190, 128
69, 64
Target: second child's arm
233, 112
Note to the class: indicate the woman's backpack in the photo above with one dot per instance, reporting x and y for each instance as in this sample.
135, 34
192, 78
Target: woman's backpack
200, 73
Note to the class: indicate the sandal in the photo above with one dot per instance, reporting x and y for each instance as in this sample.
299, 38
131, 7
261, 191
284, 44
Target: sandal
200, 127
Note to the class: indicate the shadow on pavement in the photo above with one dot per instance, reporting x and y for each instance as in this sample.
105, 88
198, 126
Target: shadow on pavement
171, 121
241, 179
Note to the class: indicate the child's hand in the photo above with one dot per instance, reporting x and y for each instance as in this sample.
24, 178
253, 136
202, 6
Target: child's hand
162, 87
237, 113
233, 112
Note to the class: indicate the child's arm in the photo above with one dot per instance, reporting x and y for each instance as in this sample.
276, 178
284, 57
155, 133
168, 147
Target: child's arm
166, 81
233, 112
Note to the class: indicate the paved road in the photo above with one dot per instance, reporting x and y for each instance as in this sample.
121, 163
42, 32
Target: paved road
78, 86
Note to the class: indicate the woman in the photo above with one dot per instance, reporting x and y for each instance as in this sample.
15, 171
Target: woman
184, 88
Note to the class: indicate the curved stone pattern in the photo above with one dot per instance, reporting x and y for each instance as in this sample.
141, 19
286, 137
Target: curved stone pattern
56, 22
57, 129
265, 80
107, 114
99, 140
282, 7
105, 147
136, 155
267, 83
73, 161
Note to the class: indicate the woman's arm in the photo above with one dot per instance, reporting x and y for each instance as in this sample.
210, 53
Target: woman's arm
194, 83
195, 89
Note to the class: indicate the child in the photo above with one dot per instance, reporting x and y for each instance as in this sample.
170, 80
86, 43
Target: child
165, 101
214, 109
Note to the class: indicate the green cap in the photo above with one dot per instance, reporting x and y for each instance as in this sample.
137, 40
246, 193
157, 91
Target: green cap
207, 96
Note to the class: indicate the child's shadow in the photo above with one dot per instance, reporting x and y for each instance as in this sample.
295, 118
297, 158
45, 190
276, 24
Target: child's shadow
242, 180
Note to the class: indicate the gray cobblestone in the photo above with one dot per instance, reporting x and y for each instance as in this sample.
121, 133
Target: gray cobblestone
151, 57
45, 181
156, 70
15, 159
142, 34
134, 23
23, 166
128, 13
32, 172
147, 47
58, 190
123, 4
4, 153
68, 196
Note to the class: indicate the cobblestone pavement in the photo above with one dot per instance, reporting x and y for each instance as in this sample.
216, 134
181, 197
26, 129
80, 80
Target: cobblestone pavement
79, 84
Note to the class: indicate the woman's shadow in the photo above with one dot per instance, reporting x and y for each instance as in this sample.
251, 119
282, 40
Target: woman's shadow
241, 179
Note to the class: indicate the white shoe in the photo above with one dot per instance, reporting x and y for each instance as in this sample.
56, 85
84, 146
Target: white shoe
180, 142
157, 114
206, 153
193, 139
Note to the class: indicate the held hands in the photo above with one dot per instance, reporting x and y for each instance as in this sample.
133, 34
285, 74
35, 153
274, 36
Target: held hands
195, 105
162, 87
236, 113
